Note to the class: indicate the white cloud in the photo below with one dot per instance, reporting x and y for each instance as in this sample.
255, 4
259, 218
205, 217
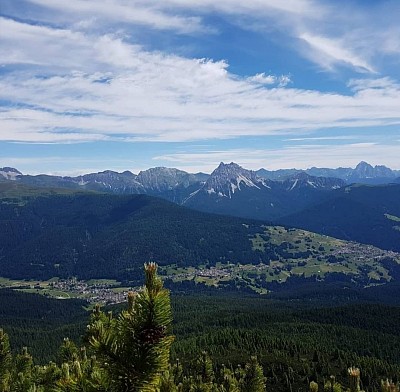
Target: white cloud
153, 96
78, 86
319, 138
119, 11
367, 84
335, 33
262, 78
328, 52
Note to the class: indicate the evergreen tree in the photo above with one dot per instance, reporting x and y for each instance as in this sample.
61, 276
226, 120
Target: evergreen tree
389, 386
332, 385
133, 349
253, 380
5, 362
354, 379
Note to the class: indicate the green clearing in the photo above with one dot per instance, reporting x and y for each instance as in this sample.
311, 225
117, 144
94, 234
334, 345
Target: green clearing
50, 293
15, 283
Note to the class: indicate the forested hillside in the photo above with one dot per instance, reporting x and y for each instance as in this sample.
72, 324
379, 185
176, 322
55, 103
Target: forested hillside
366, 214
52, 233
98, 235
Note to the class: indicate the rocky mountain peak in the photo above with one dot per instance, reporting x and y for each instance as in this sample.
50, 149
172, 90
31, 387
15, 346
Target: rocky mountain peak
226, 179
9, 173
365, 170
231, 171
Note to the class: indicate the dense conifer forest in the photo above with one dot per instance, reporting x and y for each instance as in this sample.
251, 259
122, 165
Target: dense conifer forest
223, 342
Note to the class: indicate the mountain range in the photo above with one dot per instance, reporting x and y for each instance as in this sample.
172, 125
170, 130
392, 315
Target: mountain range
163, 179
328, 205
363, 173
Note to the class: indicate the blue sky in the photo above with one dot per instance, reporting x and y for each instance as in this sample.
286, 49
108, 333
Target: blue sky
89, 85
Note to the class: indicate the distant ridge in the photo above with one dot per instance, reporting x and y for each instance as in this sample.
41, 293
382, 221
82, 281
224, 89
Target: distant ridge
363, 173
163, 178
230, 189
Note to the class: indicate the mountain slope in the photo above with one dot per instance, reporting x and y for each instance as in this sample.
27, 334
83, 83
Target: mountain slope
88, 235
367, 214
111, 236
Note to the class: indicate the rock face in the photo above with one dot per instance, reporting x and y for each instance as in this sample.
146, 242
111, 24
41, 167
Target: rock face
227, 179
364, 172
161, 179
303, 180
9, 173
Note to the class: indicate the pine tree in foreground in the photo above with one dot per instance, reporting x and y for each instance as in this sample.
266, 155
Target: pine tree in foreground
354, 379
133, 348
389, 386
253, 380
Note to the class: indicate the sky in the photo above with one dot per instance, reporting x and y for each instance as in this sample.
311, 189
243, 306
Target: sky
92, 85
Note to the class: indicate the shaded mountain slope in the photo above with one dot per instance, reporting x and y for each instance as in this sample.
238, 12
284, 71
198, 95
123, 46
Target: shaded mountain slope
112, 236
366, 214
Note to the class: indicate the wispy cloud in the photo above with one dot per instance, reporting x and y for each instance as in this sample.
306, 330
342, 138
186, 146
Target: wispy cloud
134, 12
328, 52
152, 96
323, 138
336, 34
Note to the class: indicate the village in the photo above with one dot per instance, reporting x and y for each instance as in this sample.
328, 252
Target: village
102, 292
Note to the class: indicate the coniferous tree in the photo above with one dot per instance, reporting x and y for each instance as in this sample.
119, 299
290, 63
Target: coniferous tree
5, 362
354, 379
389, 386
133, 349
332, 385
229, 382
253, 380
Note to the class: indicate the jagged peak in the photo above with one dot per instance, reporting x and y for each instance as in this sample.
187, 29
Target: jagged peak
230, 169
9, 170
363, 165
232, 164
226, 179
9, 173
